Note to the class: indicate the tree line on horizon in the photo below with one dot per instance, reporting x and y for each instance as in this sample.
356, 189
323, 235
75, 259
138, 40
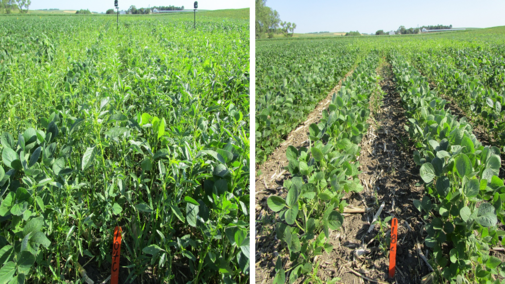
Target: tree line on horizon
135, 10
268, 22
404, 31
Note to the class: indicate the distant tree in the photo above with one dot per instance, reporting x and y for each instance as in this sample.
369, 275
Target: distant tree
83, 12
293, 27
380, 32
110, 11
133, 9
351, 33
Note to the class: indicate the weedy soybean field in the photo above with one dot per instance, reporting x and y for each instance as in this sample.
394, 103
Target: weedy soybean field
415, 132
145, 126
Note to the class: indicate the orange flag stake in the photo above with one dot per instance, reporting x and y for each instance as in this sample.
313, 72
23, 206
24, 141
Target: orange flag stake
392, 252
116, 254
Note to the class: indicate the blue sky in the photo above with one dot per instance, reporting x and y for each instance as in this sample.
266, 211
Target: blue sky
103, 5
368, 16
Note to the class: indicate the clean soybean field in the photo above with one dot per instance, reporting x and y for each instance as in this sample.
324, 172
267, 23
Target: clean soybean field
144, 125
355, 132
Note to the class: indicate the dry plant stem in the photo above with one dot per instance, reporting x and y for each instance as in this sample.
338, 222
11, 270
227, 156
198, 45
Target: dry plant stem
376, 216
366, 278
423, 257
106, 280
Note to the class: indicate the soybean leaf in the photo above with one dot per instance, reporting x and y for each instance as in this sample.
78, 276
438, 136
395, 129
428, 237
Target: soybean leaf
7, 140
116, 209
335, 220
192, 213
116, 132
33, 226
7, 272
9, 156
35, 156
317, 154
486, 215
276, 203
465, 213
492, 262
25, 262
292, 198
463, 165
39, 238
443, 186
291, 215
427, 172
472, 188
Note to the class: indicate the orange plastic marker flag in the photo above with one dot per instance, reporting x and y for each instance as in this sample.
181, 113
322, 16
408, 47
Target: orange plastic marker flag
392, 252
116, 254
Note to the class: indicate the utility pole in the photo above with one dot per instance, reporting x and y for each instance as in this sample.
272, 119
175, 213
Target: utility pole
117, 8
196, 7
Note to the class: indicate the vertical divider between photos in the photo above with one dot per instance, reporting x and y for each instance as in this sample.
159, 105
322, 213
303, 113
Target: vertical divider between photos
252, 142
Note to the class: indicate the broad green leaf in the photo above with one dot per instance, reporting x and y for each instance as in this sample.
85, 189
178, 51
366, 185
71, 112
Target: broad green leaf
88, 158
6, 254
152, 249
443, 186
116, 209
19, 208
7, 272
18, 279
116, 132
276, 203
227, 155
220, 170
335, 220
304, 169
292, 198
35, 156
494, 163
40, 238
7, 203
468, 144
25, 262
486, 215
463, 165
292, 154
192, 213
291, 215
317, 154
7, 140
465, 213
33, 226
472, 188
427, 172
493, 262
9, 156
146, 164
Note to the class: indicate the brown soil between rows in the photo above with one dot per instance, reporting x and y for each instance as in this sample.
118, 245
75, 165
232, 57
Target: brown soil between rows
389, 175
